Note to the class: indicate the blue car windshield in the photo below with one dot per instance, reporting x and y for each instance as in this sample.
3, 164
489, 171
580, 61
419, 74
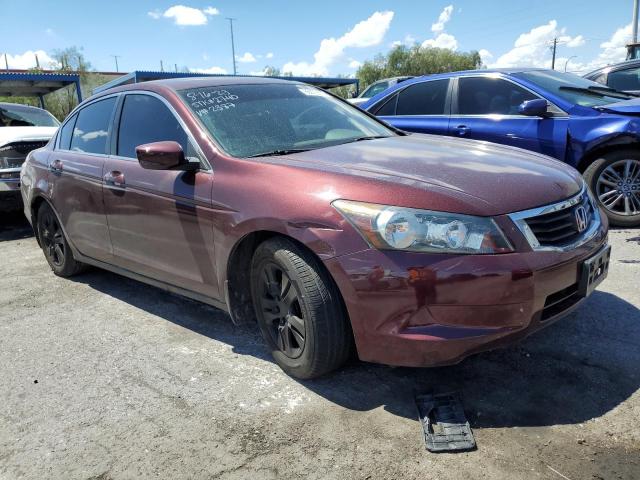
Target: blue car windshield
573, 88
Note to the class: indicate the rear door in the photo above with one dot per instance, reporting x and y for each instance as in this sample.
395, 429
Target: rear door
420, 107
486, 108
76, 166
160, 221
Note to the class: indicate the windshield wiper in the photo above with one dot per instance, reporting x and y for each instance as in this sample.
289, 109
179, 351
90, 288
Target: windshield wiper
597, 91
368, 137
284, 151
609, 90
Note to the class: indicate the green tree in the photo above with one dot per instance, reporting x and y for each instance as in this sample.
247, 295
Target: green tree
414, 61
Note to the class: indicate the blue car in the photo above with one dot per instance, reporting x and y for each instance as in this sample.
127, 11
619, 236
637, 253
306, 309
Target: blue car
594, 128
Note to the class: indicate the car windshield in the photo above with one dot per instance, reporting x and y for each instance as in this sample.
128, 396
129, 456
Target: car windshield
573, 88
278, 118
24, 116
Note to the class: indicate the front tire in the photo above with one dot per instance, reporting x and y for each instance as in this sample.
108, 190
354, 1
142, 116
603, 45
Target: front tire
614, 180
54, 244
299, 310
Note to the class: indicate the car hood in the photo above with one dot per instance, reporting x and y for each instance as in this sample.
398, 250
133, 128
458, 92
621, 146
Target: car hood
15, 134
499, 179
628, 107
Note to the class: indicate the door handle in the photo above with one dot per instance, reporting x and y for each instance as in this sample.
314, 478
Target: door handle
462, 130
114, 178
56, 166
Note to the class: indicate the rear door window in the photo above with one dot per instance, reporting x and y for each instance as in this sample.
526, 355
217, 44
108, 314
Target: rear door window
490, 96
424, 98
92, 127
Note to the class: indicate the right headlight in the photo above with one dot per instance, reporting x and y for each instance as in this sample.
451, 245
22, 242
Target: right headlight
399, 228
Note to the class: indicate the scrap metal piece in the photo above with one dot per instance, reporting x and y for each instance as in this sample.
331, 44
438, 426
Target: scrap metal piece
444, 423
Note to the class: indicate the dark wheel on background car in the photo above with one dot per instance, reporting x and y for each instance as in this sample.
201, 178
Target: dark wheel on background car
54, 244
299, 310
615, 181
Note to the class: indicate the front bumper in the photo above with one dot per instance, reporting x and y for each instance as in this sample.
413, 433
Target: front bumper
10, 198
416, 309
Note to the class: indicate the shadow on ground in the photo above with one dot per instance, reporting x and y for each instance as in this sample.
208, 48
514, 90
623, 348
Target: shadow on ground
578, 369
14, 226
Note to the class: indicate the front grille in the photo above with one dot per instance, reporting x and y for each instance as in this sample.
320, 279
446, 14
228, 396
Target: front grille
560, 227
13, 154
560, 301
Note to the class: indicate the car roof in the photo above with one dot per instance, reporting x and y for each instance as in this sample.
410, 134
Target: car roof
614, 67
9, 104
176, 84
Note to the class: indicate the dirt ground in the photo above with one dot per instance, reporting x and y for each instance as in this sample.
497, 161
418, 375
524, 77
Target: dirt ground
105, 378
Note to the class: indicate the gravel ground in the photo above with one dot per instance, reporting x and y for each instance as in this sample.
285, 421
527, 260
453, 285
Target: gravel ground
106, 378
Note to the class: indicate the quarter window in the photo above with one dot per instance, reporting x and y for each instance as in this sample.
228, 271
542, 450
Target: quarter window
490, 96
146, 119
92, 127
389, 107
425, 98
66, 132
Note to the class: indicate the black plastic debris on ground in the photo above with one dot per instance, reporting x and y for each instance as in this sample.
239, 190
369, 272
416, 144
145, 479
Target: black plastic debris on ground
445, 426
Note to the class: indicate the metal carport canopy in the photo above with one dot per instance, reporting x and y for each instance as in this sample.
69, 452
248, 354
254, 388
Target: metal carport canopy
144, 76
27, 84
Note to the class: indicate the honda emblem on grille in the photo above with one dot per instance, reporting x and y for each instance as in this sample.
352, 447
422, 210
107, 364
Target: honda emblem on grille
581, 218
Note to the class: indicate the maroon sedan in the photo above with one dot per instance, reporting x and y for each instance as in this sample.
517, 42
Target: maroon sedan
284, 205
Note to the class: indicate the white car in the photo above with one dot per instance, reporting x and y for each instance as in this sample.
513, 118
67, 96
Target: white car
22, 129
375, 88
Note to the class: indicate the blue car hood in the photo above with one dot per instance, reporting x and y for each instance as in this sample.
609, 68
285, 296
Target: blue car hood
629, 107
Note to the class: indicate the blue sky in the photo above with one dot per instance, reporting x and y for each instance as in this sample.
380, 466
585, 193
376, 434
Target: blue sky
321, 38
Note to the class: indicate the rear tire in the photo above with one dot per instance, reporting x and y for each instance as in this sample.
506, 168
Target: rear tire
614, 180
54, 244
299, 310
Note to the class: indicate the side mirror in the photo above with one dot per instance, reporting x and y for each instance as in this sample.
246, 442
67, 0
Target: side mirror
166, 155
534, 108
353, 94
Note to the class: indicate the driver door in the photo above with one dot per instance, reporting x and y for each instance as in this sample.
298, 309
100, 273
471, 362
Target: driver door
486, 108
160, 221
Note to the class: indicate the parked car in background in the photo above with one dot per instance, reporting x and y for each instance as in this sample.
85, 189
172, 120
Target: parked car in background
375, 88
589, 126
22, 129
624, 76
283, 205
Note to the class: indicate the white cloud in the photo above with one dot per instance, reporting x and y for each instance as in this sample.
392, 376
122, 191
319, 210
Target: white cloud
444, 17
409, 41
269, 55
28, 60
185, 16
211, 11
355, 64
485, 56
614, 50
367, 33
246, 58
444, 40
50, 32
214, 70
531, 49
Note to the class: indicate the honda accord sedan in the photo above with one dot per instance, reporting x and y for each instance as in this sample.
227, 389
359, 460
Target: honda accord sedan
290, 208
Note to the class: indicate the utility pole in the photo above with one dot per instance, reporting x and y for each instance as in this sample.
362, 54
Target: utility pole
161, 66
6, 61
634, 37
553, 57
37, 61
233, 46
116, 57
176, 65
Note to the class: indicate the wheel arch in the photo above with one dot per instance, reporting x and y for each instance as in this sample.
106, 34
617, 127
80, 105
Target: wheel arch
238, 271
621, 142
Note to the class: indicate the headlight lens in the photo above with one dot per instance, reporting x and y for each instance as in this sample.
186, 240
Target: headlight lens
400, 228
